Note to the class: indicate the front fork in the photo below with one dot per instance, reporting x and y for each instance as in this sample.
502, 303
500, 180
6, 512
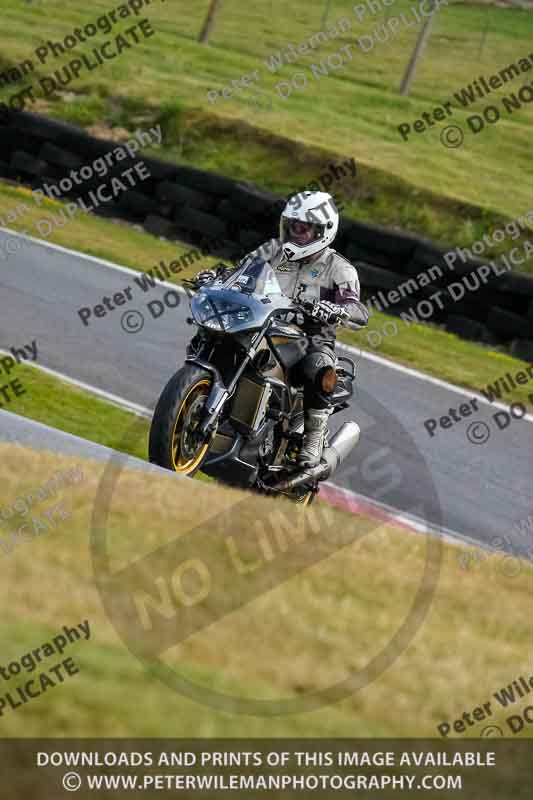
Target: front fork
219, 392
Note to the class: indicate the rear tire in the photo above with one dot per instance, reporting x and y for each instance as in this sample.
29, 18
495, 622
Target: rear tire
172, 442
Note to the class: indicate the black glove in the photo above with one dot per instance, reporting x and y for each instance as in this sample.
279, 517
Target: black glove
221, 273
205, 276
327, 312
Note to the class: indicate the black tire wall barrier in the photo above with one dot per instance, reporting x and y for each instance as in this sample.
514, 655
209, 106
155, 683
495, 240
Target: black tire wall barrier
228, 218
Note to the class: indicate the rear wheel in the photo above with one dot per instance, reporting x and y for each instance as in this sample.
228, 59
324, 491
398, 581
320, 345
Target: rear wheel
175, 442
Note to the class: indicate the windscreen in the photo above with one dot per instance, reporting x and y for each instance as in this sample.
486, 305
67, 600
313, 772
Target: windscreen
256, 276
239, 303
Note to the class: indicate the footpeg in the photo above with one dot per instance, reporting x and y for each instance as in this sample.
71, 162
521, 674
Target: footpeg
339, 448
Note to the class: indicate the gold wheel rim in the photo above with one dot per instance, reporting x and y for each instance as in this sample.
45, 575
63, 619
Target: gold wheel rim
180, 462
304, 501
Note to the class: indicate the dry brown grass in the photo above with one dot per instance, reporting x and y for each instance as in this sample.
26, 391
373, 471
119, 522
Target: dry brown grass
310, 631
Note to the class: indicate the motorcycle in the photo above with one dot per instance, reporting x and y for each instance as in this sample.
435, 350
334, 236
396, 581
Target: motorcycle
231, 411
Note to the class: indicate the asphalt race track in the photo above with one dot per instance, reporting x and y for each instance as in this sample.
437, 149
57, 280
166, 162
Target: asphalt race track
482, 489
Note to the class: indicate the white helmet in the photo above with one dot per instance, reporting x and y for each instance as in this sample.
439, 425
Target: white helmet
309, 223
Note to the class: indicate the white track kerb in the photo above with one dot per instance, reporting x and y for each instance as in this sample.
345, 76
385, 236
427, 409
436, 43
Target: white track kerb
349, 499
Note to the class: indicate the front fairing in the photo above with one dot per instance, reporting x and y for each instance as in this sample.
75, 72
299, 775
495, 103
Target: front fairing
243, 302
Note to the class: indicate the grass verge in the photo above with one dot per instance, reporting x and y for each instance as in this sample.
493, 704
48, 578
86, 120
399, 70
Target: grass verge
310, 630
450, 195
61, 405
444, 355
423, 347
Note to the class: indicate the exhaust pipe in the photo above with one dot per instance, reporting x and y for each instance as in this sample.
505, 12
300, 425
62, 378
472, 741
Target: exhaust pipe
339, 448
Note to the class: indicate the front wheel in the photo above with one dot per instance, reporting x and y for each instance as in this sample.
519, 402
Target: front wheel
175, 442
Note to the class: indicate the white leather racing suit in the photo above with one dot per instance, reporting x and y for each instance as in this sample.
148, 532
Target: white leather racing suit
329, 277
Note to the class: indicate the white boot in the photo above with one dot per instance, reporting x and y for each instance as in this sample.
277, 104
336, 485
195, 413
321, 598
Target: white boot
315, 425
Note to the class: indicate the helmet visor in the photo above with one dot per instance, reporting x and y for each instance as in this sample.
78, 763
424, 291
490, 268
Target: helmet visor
300, 233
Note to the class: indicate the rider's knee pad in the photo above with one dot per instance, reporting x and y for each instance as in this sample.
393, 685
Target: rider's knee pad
315, 362
326, 380
318, 391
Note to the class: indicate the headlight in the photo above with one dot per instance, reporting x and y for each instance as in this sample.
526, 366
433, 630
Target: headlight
217, 313
214, 324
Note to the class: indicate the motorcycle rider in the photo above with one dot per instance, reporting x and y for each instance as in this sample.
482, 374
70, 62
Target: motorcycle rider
307, 268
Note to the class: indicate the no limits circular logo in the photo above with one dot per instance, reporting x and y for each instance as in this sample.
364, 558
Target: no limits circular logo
189, 584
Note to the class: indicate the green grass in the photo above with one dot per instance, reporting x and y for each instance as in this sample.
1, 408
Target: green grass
98, 701
315, 638
420, 346
305, 634
308, 621
61, 405
126, 244
451, 195
442, 355
282, 165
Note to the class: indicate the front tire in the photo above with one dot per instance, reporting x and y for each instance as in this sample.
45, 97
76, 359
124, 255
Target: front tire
174, 443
